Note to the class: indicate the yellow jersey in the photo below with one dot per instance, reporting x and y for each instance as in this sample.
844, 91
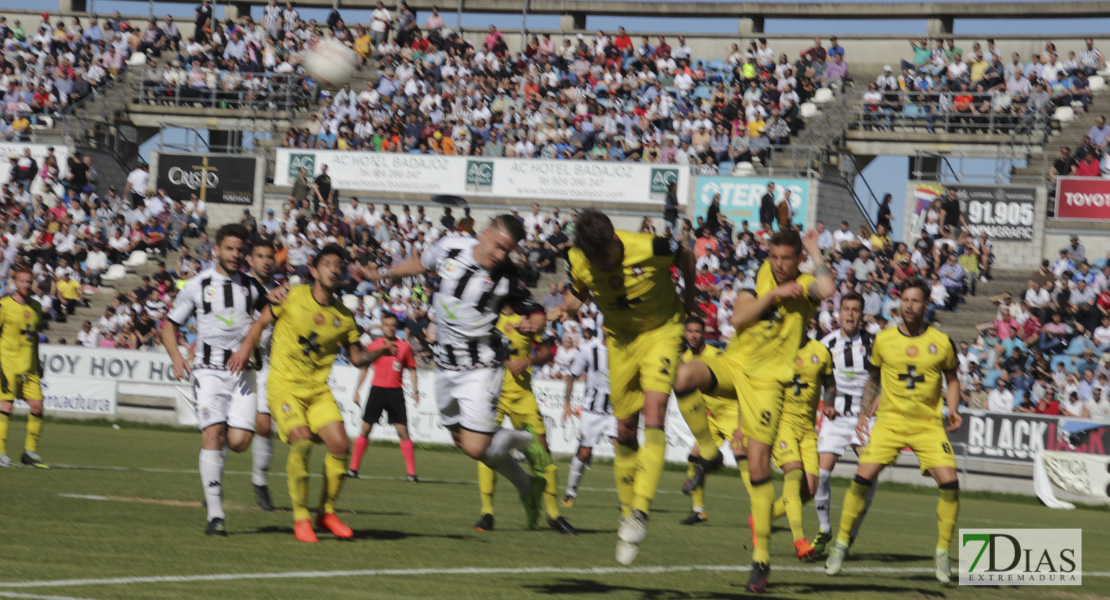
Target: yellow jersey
911, 372
19, 336
520, 347
639, 296
717, 406
812, 364
307, 336
69, 290
766, 349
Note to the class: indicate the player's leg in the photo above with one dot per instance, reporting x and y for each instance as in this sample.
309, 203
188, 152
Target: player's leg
526, 415
692, 380
760, 408
935, 454
866, 507
397, 414
658, 352
262, 449
787, 455
628, 400
361, 443
241, 411
212, 392
883, 448
5, 421
31, 389
697, 493
292, 425
335, 439
487, 483
578, 465
823, 499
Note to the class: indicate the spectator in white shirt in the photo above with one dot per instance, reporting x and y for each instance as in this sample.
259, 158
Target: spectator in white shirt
1001, 399
843, 236
88, 337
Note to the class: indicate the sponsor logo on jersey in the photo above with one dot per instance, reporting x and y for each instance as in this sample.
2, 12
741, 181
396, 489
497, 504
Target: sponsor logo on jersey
798, 361
932, 348
318, 319
209, 293
449, 267
813, 359
911, 351
336, 323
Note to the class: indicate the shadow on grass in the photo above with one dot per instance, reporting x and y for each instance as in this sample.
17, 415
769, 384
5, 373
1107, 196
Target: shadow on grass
360, 534
891, 558
889, 591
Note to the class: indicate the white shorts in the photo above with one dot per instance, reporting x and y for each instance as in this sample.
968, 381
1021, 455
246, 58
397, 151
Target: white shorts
221, 397
468, 399
593, 425
260, 389
839, 433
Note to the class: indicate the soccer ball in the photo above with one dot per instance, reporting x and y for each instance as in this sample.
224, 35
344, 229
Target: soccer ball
331, 63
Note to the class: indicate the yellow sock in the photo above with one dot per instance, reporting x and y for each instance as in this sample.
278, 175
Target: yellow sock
698, 494
778, 509
649, 467
854, 503
487, 482
763, 496
296, 470
624, 471
693, 409
551, 491
745, 474
792, 501
335, 471
34, 432
948, 507
4, 419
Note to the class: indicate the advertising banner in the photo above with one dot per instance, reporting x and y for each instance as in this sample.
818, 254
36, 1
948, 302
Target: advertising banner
1082, 475
1005, 212
1083, 198
527, 179
68, 396
741, 196
214, 178
1018, 437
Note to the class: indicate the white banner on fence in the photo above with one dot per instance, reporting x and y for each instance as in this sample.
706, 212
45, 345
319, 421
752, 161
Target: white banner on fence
527, 179
1086, 475
68, 396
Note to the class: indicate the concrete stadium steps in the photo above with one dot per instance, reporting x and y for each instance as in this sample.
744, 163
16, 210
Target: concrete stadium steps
978, 309
99, 301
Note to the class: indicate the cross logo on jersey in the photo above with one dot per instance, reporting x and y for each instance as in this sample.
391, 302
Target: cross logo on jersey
308, 344
30, 334
911, 378
798, 385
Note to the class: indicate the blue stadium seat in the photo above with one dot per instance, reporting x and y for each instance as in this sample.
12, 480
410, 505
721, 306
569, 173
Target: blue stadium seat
991, 378
1019, 397
718, 65
725, 168
190, 338
699, 63
601, 87
1100, 263
703, 92
1067, 361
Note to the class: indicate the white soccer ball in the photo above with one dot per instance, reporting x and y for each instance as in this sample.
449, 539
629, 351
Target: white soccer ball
331, 63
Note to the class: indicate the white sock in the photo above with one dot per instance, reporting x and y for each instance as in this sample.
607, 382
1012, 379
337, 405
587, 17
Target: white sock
505, 440
866, 507
262, 451
823, 497
504, 465
211, 477
577, 468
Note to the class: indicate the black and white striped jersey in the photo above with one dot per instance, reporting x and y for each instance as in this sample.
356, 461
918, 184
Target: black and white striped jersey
225, 307
593, 360
468, 303
262, 353
850, 357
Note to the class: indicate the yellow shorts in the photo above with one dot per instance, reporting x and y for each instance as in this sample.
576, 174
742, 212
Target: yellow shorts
648, 363
928, 441
723, 416
522, 409
292, 411
760, 401
796, 442
25, 386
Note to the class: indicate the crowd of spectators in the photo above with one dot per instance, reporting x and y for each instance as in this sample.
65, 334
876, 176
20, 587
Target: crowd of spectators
943, 87
602, 97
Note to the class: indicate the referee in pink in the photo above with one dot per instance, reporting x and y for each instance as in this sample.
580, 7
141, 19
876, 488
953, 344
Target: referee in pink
388, 396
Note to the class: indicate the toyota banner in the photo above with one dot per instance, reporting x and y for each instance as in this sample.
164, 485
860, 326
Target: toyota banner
214, 178
1085, 198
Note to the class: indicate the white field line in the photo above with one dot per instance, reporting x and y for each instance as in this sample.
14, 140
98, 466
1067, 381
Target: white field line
37, 596
452, 571
727, 496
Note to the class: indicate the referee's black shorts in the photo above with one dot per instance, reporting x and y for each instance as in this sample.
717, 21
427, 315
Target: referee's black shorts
391, 401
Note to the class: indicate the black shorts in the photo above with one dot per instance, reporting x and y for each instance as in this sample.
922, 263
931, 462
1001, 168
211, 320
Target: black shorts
391, 401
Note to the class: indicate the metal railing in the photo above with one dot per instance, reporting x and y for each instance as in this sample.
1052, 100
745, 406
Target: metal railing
952, 112
253, 92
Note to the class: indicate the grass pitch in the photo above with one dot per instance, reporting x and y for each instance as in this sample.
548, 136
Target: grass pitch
121, 518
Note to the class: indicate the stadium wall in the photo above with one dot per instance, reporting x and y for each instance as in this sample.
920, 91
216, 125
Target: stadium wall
834, 204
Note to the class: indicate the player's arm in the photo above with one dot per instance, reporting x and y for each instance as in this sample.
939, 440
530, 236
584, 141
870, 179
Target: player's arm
184, 305
825, 284
952, 398
828, 396
522, 302
686, 262
410, 268
748, 308
362, 373
238, 361
869, 404
572, 302
566, 395
361, 357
